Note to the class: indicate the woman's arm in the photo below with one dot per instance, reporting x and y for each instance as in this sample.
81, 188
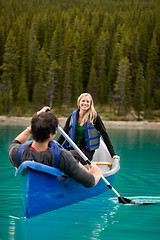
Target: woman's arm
101, 128
61, 139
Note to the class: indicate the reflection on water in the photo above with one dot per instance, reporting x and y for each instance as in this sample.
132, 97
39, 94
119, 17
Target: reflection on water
90, 217
99, 213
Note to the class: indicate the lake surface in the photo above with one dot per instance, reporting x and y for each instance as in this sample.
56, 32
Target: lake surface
98, 218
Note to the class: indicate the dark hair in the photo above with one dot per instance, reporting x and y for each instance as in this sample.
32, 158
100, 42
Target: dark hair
42, 125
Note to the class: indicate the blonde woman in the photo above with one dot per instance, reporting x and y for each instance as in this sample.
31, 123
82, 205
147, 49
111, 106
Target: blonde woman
85, 126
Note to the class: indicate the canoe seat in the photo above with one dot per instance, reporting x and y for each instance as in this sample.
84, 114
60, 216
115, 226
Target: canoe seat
39, 167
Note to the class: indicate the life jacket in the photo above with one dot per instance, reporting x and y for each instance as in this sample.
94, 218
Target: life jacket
91, 135
52, 144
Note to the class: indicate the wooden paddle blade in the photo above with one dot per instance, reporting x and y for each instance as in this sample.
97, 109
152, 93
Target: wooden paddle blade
125, 200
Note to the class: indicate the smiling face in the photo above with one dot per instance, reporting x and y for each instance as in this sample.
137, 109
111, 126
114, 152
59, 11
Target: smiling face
85, 103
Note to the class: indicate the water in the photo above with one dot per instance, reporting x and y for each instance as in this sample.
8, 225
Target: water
97, 218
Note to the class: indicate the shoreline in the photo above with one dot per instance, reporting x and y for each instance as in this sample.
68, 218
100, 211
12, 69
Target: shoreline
25, 121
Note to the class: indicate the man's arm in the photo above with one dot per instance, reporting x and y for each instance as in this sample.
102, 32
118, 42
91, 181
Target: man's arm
20, 139
13, 153
86, 177
24, 136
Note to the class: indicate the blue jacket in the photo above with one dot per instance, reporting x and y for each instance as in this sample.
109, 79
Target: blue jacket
54, 147
92, 136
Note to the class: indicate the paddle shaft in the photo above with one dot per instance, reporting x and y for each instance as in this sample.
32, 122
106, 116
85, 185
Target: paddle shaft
84, 157
104, 163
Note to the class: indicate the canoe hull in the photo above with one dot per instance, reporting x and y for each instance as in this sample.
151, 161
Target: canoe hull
44, 188
43, 192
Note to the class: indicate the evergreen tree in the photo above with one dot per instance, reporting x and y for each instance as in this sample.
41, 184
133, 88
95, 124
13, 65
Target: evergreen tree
33, 48
22, 34
139, 91
41, 68
122, 86
7, 96
152, 77
103, 85
127, 98
67, 88
77, 87
56, 43
142, 43
77, 32
114, 62
2, 43
52, 83
22, 96
86, 54
100, 67
92, 84
10, 76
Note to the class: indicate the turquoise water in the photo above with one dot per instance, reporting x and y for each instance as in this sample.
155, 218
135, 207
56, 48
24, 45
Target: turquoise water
97, 218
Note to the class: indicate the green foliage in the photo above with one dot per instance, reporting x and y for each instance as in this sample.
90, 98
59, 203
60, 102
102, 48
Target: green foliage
123, 86
51, 51
139, 91
52, 81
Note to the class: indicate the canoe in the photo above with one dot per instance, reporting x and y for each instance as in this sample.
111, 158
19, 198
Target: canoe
45, 188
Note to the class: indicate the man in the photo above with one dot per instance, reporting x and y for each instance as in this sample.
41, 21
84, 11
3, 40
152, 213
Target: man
44, 150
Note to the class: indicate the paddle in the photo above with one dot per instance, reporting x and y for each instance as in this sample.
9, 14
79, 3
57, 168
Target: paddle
120, 198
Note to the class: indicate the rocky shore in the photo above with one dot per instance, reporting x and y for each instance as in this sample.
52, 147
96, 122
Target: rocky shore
25, 121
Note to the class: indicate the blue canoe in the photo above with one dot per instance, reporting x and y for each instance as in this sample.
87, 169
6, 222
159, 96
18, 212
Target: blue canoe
45, 188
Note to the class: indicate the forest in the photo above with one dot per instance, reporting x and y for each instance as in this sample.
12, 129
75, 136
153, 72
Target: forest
51, 51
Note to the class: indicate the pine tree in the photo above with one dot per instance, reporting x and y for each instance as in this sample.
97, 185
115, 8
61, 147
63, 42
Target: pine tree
103, 85
79, 31
142, 43
33, 48
2, 43
10, 76
40, 73
22, 96
77, 87
122, 86
67, 88
56, 43
52, 83
139, 91
127, 98
86, 54
113, 68
91, 88
152, 78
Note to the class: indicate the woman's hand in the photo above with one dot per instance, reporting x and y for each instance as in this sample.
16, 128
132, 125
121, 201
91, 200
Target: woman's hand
116, 157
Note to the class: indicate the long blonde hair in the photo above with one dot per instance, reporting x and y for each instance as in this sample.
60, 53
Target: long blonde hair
91, 111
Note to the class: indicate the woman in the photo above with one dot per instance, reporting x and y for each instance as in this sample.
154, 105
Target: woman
46, 151
85, 126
